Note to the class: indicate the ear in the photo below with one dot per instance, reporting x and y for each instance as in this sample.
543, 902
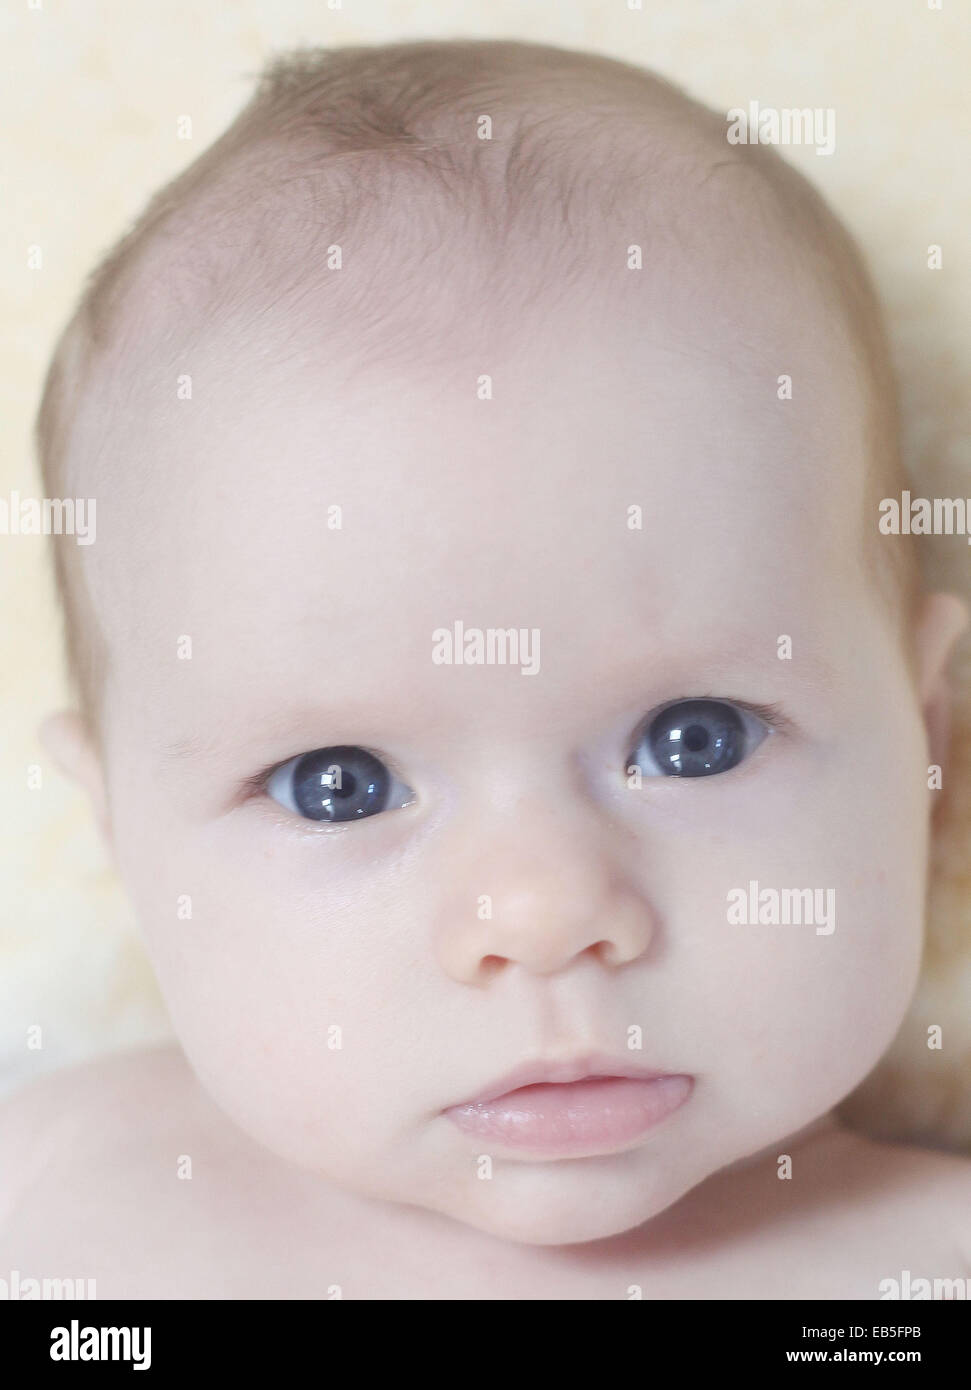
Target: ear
941, 621
69, 745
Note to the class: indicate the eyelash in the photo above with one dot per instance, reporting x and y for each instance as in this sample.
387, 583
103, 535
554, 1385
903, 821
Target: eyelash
256, 784
771, 714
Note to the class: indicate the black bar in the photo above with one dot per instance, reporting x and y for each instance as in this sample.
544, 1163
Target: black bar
311, 1336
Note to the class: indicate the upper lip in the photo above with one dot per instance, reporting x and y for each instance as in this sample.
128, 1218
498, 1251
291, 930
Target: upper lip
562, 1072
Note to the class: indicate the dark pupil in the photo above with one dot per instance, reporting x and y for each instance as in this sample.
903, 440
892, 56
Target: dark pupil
338, 784
694, 738
344, 788
697, 738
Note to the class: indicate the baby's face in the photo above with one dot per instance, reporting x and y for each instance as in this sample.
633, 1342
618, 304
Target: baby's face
495, 887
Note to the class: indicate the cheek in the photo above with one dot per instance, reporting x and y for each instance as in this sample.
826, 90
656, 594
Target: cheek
290, 979
798, 1013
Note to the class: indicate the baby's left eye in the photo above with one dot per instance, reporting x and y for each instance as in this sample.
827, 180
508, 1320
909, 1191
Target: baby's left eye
337, 784
698, 738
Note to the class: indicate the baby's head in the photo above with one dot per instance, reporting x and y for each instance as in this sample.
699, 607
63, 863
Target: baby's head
441, 341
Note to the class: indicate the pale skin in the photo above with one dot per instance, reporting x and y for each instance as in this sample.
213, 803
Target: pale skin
315, 1166
97, 1154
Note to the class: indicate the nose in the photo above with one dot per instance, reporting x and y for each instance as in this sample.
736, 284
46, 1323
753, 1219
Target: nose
540, 899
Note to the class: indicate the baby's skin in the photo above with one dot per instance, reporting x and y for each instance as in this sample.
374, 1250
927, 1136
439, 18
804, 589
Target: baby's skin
95, 1153
610, 466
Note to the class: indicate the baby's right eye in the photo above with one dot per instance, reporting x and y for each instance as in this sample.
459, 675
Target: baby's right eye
337, 784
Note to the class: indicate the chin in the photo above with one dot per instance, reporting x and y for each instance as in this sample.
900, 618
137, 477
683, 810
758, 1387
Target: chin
545, 1212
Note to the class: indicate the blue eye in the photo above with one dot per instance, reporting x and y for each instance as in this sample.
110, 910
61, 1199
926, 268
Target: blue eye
698, 738
337, 784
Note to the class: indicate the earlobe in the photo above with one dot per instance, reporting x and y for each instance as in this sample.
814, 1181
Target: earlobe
941, 621
68, 743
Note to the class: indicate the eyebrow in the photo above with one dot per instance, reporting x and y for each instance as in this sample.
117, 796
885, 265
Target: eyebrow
184, 749
208, 748
224, 738
193, 748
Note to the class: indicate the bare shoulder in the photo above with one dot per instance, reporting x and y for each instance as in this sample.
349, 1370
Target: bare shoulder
101, 1117
123, 1171
948, 1184
86, 1107
925, 1188
116, 1075
940, 1173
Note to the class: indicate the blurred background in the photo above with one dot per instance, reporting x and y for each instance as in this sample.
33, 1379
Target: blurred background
93, 98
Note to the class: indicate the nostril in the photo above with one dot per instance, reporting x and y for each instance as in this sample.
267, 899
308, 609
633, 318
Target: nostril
612, 953
491, 965
604, 951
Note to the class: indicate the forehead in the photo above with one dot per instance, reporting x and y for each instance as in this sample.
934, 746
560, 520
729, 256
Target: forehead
623, 473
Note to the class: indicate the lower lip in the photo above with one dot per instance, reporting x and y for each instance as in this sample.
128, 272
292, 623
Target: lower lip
587, 1117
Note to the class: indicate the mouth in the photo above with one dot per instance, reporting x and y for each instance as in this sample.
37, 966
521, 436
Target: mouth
572, 1109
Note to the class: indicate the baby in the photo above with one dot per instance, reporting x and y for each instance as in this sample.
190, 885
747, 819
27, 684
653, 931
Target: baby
484, 446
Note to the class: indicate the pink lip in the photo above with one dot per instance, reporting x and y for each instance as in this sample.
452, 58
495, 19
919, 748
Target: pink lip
593, 1105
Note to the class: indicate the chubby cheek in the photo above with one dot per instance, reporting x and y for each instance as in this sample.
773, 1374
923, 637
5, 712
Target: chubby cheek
806, 1009
291, 982
811, 1015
